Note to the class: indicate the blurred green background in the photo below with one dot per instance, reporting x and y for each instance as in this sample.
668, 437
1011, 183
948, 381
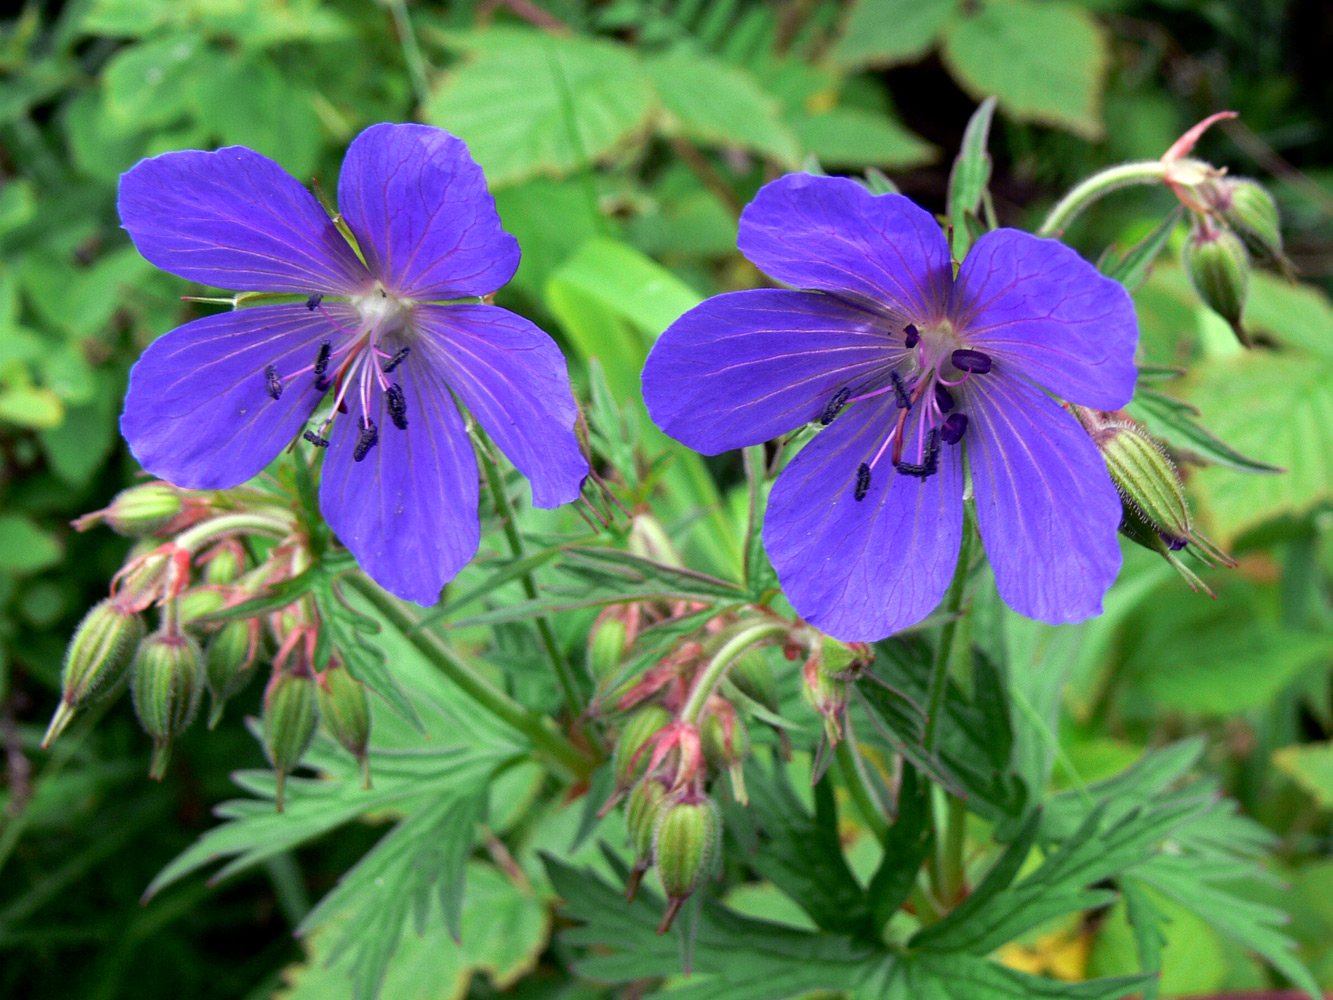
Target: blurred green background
621, 139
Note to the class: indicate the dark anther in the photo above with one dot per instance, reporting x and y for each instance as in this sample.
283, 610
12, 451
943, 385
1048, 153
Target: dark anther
274, 383
315, 439
397, 359
955, 425
900, 395
315, 299
912, 335
835, 406
370, 435
397, 406
930, 461
862, 481
383, 294
322, 359
322, 384
971, 361
943, 398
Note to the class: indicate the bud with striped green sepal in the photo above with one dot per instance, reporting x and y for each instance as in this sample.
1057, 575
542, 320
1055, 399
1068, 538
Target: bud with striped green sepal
224, 563
1218, 266
1156, 512
138, 511
229, 659
607, 641
754, 678
641, 810
290, 714
687, 846
1251, 211
726, 744
95, 660
629, 759
344, 708
167, 682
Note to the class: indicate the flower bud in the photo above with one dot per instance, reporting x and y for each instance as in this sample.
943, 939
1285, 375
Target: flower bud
229, 659
629, 759
641, 811
224, 564
1219, 269
1247, 206
606, 645
137, 511
166, 680
200, 601
1145, 478
344, 708
290, 714
826, 694
726, 744
751, 674
95, 659
151, 576
687, 846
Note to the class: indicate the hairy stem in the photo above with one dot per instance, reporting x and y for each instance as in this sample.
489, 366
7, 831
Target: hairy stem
716, 670
475, 685
1097, 186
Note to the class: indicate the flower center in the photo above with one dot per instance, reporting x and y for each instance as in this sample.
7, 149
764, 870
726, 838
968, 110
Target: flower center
921, 373
357, 360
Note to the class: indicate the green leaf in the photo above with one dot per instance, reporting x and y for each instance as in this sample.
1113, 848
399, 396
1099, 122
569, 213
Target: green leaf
1277, 408
504, 929
149, 83
424, 856
80, 445
1132, 269
31, 406
884, 32
1044, 61
255, 830
1098, 850
1145, 920
967, 977
708, 100
632, 577
970, 176
246, 101
1174, 420
854, 137
550, 219
801, 854
905, 847
735, 957
347, 630
1310, 765
530, 103
25, 547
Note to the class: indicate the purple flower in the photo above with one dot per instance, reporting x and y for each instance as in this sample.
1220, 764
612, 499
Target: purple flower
211, 403
910, 369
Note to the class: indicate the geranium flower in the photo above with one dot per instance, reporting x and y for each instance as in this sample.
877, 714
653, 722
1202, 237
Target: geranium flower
211, 403
911, 370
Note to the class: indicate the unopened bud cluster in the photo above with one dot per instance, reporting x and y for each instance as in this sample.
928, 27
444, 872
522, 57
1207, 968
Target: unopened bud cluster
685, 717
191, 566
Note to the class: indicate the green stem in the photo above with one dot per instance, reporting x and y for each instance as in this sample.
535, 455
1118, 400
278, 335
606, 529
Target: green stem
939, 671
407, 38
563, 671
857, 783
949, 859
1097, 186
754, 476
474, 685
717, 667
231, 524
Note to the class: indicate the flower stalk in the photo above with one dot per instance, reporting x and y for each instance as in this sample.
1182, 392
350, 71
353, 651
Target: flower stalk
1098, 186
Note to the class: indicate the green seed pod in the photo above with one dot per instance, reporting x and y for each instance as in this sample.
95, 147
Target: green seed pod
753, 676
627, 763
144, 509
606, 645
199, 602
224, 566
687, 847
344, 708
229, 660
1251, 210
95, 659
290, 715
166, 680
641, 809
1145, 477
1219, 269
